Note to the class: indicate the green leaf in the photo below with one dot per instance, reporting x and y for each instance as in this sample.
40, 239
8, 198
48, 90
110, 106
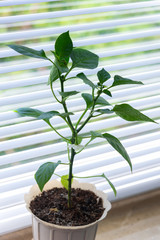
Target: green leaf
129, 113
53, 74
61, 66
79, 140
86, 80
104, 111
88, 99
63, 45
68, 94
116, 144
102, 101
111, 184
95, 135
48, 115
64, 181
44, 173
29, 51
62, 62
63, 115
118, 80
103, 76
107, 92
28, 112
82, 58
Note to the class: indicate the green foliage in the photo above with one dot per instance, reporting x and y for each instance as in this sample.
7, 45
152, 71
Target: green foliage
61, 65
60, 69
95, 135
63, 46
129, 113
86, 80
53, 74
90, 101
118, 80
110, 183
29, 51
104, 111
65, 181
48, 115
28, 112
82, 58
107, 92
65, 95
103, 76
45, 172
102, 101
116, 144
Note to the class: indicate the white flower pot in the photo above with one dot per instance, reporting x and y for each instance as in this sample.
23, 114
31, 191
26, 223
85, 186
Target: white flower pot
47, 231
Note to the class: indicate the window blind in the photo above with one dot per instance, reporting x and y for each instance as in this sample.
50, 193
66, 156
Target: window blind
125, 35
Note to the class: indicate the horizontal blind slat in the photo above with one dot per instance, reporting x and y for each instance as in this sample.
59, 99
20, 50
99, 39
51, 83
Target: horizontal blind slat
145, 181
114, 171
49, 107
16, 197
44, 79
49, 149
29, 34
111, 67
48, 136
25, 153
145, 89
58, 14
32, 166
20, 2
144, 46
42, 137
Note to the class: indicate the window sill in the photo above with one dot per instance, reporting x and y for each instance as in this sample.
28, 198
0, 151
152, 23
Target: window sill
130, 219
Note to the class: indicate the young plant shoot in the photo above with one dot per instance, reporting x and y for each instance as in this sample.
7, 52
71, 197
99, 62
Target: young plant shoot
95, 105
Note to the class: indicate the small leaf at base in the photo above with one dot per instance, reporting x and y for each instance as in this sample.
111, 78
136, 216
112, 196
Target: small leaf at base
65, 181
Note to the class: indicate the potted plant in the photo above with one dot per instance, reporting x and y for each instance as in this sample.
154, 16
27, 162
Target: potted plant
63, 206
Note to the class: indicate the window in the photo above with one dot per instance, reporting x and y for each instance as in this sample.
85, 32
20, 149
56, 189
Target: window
125, 34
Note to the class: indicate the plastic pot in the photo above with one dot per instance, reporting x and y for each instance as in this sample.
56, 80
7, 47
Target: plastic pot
47, 231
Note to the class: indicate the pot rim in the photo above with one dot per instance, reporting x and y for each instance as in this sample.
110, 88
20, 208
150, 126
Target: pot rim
34, 191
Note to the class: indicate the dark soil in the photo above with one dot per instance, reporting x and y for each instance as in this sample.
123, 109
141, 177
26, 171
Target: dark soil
52, 206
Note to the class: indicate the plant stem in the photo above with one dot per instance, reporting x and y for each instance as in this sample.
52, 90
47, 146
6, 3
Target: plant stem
84, 146
58, 132
65, 107
90, 176
73, 153
81, 118
68, 152
53, 92
90, 115
68, 72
